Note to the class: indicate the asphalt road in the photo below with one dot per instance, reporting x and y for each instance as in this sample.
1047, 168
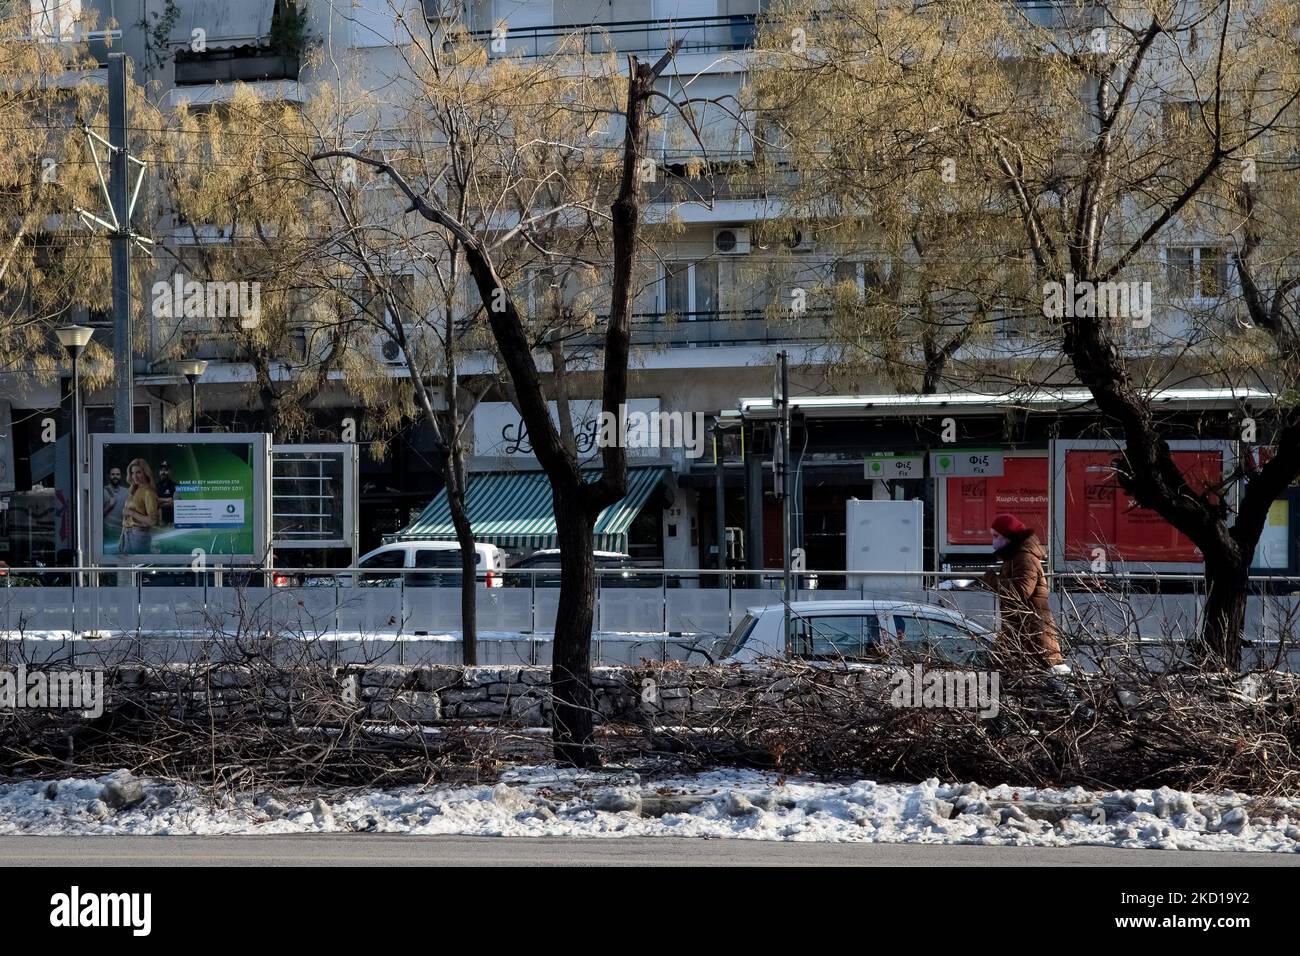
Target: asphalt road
397, 850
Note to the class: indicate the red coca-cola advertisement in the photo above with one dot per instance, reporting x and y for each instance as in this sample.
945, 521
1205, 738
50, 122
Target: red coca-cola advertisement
1098, 513
973, 503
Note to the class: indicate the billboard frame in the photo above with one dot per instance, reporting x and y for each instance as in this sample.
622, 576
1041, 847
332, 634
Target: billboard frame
1056, 513
941, 504
261, 463
351, 506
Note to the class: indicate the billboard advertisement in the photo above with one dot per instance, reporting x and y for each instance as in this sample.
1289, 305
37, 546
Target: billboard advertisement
969, 505
1092, 511
163, 499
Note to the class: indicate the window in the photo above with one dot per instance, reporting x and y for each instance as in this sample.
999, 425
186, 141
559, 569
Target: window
385, 560
438, 558
442, 9
867, 275
1179, 116
932, 637
850, 273
691, 290
1196, 272
831, 636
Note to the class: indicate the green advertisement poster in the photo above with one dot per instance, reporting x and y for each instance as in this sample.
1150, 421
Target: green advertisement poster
169, 499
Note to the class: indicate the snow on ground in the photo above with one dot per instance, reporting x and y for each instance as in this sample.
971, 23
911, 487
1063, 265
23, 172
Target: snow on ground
545, 801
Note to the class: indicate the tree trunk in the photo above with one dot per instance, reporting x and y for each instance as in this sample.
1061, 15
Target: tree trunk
1227, 580
573, 701
454, 475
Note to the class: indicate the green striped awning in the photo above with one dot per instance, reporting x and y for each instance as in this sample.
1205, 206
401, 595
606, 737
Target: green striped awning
513, 509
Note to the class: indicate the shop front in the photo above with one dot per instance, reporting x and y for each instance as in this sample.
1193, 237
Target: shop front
1042, 457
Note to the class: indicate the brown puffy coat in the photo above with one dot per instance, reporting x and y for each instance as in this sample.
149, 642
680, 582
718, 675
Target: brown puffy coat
1027, 635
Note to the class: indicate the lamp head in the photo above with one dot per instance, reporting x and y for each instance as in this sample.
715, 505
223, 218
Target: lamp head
74, 338
192, 368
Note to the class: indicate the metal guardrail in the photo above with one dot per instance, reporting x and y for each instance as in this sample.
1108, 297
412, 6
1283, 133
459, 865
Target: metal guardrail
18, 576
665, 603
715, 34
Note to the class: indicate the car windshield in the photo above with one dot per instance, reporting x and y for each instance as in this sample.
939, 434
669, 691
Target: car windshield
738, 636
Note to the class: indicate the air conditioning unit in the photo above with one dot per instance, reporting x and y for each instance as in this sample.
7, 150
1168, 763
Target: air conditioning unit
731, 242
443, 10
388, 351
798, 241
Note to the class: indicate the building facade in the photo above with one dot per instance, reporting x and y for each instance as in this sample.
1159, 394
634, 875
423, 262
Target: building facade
710, 319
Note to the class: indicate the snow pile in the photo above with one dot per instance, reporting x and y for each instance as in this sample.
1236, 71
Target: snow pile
544, 801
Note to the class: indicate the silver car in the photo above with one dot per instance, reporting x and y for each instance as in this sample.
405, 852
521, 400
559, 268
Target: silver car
856, 630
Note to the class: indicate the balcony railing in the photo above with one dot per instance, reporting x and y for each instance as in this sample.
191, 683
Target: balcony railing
698, 35
246, 64
712, 329
1054, 14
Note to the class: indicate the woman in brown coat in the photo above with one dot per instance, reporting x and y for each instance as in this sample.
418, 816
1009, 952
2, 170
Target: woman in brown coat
1027, 635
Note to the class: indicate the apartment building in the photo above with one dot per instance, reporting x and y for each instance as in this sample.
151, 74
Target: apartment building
709, 321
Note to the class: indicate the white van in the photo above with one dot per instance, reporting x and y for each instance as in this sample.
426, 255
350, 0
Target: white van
382, 567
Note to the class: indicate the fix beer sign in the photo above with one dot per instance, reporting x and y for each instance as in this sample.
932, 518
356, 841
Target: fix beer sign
894, 466
966, 463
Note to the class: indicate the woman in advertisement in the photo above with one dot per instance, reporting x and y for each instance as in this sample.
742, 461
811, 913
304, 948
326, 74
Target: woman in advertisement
141, 513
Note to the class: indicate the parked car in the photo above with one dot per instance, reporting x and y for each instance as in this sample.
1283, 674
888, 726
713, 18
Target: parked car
614, 569
428, 564
856, 630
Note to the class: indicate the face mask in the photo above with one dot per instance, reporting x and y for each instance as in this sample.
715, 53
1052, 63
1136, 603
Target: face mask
999, 542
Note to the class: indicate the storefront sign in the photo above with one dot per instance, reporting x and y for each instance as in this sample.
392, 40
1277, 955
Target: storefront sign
500, 432
894, 466
966, 462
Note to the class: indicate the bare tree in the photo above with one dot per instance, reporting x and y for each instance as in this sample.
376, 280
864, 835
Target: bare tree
1072, 116
577, 502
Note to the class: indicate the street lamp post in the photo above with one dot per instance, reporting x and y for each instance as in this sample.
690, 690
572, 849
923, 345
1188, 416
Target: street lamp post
74, 338
781, 483
193, 369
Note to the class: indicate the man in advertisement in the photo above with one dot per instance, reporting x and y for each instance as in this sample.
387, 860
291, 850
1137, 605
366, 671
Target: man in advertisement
115, 495
166, 493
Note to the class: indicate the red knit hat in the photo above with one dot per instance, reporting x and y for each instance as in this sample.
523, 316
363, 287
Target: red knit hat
1009, 526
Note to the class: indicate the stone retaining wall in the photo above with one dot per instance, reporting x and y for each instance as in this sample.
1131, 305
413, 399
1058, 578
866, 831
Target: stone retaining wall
516, 695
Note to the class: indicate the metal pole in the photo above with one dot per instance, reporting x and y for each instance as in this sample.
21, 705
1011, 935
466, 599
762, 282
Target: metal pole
787, 544
194, 405
76, 467
120, 243
720, 498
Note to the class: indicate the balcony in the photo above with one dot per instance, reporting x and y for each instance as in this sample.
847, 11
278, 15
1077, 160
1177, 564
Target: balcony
248, 64
716, 329
674, 185
1060, 14
698, 35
